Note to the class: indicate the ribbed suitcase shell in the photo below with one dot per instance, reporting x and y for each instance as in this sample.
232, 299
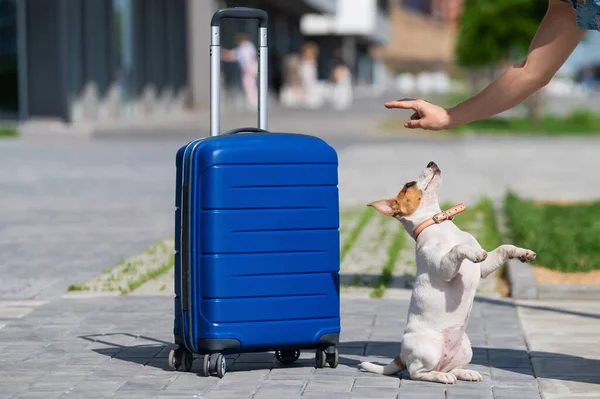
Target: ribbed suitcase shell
257, 244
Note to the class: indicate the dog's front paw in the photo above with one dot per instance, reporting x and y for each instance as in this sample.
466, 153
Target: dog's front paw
477, 255
524, 255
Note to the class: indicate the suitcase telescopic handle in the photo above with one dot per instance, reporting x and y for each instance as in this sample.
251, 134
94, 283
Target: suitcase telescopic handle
215, 63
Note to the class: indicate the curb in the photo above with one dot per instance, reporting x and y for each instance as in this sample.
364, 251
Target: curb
522, 281
520, 276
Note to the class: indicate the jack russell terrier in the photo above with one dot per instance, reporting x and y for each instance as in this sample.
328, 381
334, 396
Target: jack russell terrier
450, 263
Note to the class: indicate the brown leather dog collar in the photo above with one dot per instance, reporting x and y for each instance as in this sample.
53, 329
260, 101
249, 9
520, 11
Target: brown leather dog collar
439, 218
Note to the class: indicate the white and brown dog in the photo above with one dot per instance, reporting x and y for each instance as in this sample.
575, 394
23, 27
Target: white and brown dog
450, 263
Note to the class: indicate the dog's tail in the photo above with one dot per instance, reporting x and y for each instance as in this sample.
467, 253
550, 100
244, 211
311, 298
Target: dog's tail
394, 367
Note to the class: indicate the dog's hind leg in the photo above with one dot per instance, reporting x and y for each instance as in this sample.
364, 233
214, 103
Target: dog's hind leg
461, 359
422, 354
498, 256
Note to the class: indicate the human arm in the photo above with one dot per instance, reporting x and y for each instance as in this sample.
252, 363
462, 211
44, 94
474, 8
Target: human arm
555, 39
228, 55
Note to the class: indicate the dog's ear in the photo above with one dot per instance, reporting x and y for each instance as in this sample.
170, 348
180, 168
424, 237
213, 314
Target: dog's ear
385, 207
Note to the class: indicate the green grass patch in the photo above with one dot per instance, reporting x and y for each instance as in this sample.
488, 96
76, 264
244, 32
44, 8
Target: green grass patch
8, 131
480, 221
387, 273
349, 242
78, 287
579, 121
564, 236
147, 276
129, 274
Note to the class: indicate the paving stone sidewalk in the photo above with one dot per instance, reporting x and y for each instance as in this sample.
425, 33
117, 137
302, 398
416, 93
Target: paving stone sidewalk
564, 344
118, 347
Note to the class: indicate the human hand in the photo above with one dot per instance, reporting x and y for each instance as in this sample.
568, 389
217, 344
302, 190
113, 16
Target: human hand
427, 116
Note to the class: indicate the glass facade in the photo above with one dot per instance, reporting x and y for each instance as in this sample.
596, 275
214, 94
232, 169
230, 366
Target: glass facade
90, 59
9, 76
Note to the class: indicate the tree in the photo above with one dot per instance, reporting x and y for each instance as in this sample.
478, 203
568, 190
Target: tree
497, 31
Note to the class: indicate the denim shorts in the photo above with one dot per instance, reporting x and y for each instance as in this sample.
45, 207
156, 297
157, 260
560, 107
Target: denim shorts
588, 13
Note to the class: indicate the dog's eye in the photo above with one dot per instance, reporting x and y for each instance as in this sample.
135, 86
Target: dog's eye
410, 184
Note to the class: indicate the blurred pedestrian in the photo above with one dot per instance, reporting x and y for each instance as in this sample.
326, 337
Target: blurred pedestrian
245, 55
561, 30
291, 89
340, 76
312, 95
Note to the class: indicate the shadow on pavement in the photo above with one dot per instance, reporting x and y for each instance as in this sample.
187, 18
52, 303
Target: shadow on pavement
370, 280
493, 301
507, 364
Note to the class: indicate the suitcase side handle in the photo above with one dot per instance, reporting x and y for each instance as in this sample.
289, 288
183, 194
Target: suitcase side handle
215, 64
240, 13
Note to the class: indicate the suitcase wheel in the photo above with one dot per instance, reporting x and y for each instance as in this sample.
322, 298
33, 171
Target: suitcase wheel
287, 356
220, 365
331, 357
206, 366
181, 358
320, 359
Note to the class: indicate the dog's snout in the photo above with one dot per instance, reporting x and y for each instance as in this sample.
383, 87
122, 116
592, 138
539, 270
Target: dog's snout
432, 165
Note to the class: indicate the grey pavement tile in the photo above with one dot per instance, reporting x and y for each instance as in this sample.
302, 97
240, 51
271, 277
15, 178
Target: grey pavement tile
166, 395
352, 348
513, 377
341, 370
40, 395
292, 373
266, 357
423, 390
509, 358
191, 384
138, 351
375, 392
238, 366
53, 384
570, 366
166, 349
147, 383
225, 385
340, 384
282, 391
377, 382
464, 395
516, 393
88, 395
408, 384
469, 388
326, 395
229, 394
571, 386
422, 395
93, 386
253, 376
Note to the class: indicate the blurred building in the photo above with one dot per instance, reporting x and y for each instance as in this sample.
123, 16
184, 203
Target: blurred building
353, 28
113, 62
88, 60
423, 35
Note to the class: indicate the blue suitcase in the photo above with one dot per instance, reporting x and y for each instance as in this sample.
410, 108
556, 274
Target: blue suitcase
256, 238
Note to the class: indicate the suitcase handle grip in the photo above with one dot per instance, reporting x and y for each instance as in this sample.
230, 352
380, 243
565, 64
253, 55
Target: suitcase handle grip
240, 13
247, 130
215, 64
